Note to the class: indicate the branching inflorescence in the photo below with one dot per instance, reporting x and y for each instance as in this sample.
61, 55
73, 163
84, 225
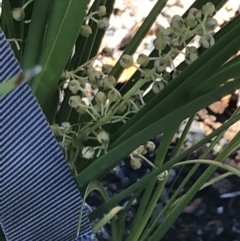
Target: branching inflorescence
107, 104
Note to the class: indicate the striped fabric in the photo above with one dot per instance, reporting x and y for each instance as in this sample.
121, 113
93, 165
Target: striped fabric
39, 199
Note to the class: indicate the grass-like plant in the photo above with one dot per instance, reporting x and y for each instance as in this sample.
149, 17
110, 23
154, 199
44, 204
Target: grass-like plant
64, 38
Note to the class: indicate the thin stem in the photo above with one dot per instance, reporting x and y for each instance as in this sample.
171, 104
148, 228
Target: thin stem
26, 4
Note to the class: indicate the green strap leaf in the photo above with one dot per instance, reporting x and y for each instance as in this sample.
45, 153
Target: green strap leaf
107, 218
63, 28
94, 185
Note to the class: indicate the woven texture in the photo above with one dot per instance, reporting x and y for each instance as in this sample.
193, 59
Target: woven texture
39, 199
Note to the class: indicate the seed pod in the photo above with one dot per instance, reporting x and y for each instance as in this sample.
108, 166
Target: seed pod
126, 61
208, 9
159, 31
102, 11
65, 75
150, 146
157, 87
88, 152
143, 60
140, 150
101, 97
169, 34
103, 23
175, 43
18, 14
166, 76
211, 24
85, 30
74, 101
159, 43
66, 126
94, 77
207, 41
56, 129
99, 85
106, 69
177, 22
82, 82
135, 163
191, 54
160, 64
195, 14
103, 137
109, 82
113, 96
162, 175
190, 21
74, 86
106, 52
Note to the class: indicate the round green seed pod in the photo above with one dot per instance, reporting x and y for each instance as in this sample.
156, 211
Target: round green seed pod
143, 60
162, 175
74, 86
56, 129
208, 9
159, 43
109, 82
106, 52
101, 97
157, 87
88, 152
211, 24
177, 22
135, 163
103, 23
74, 101
195, 14
66, 126
102, 11
150, 146
159, 31
113, 96
103, 137
18, 14
166, 76
207, 41
106, 69
94, 77
191, 21
126, 61
85, 31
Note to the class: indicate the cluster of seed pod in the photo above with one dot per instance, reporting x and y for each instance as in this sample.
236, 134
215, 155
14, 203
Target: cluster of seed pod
103, 22
175, 37
137, 158
108, 105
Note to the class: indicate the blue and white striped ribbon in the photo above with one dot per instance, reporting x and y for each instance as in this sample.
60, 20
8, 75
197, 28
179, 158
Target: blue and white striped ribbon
39, 199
